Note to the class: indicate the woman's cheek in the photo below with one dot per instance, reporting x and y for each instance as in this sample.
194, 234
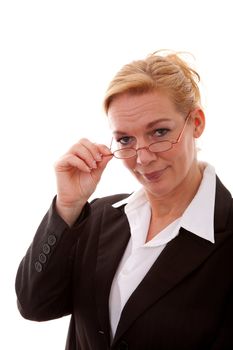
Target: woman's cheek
129, 164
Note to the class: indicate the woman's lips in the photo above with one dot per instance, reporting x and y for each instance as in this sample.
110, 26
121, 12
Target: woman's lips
155, 175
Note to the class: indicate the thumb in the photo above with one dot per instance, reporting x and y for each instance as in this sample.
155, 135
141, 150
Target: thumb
105, 158
101, 165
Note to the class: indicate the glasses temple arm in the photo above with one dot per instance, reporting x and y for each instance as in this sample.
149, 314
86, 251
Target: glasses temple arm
182, 131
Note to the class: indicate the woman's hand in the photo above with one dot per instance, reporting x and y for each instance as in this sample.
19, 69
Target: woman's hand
78, 173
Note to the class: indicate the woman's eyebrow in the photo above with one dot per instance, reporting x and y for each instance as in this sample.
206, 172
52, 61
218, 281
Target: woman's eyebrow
153, 124
147, 127
119, 133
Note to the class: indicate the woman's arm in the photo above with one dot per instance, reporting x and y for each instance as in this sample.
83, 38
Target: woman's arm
44, 277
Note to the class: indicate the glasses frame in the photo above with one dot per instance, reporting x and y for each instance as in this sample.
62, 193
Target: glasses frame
172, 143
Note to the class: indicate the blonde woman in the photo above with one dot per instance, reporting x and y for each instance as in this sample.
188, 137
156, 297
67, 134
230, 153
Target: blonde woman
150, 270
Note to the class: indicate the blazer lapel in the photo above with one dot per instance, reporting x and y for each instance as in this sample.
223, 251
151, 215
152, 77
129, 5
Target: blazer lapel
180, 257
113, 240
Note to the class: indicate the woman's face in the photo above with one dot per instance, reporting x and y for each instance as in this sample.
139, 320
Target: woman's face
139, 120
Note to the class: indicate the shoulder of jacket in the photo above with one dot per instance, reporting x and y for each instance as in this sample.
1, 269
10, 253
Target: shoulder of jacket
109, 199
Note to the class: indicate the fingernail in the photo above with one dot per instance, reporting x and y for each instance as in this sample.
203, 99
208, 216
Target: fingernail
99, 157
94, 165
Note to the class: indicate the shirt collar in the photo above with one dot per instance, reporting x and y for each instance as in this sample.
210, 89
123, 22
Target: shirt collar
136, 199
198, 217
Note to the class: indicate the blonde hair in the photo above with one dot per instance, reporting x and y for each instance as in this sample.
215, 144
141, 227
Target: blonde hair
163, 70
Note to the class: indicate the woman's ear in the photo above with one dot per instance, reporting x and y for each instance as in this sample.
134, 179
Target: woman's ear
198, 117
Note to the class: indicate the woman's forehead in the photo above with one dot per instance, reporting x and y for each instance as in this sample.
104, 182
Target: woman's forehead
144, 104
145, 110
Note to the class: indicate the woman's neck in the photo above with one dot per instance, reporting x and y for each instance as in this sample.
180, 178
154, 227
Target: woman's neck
174, 204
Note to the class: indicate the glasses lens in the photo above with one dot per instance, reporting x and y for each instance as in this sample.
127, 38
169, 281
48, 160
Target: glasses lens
161, 146
125, 153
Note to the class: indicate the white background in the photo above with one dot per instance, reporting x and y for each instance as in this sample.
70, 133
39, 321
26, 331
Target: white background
56, 59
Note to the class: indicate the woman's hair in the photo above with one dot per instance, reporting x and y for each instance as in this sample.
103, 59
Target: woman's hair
164, 71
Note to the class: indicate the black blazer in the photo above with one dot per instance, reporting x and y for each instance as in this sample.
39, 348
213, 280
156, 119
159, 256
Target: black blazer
185, 302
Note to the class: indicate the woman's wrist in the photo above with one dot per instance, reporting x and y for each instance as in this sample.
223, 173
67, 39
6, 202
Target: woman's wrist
69, 213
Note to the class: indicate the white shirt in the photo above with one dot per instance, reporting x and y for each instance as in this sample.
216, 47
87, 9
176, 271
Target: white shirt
139, 256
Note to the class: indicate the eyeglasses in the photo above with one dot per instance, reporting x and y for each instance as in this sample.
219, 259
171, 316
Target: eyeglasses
155, 147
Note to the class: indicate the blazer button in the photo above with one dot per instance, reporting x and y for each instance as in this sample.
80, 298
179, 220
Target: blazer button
51, 240
123, 346
38, 266
46, 248
42, 258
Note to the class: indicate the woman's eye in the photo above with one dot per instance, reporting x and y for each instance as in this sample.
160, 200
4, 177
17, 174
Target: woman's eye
161, 132
125, 140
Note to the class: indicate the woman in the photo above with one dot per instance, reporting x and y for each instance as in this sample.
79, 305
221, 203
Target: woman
150, 270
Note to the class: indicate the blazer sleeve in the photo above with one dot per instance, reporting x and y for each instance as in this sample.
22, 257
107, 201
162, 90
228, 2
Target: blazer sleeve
44, 277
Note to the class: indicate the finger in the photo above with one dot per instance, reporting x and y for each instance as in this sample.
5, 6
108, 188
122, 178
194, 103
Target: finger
106, 156
97, 150
87, 151
69, 161
104, 151
84, 153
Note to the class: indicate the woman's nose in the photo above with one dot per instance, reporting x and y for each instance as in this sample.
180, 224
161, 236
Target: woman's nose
145, 156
